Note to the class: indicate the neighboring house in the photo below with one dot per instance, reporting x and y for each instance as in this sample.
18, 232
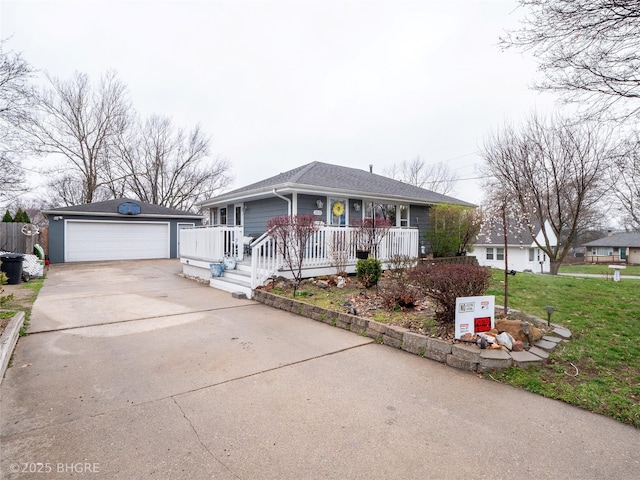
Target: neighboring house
338, 197
614, 248
119, 229
523, 254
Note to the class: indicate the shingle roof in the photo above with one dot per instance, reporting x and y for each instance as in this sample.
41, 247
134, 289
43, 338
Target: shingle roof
352, 180
110, 207
631, 239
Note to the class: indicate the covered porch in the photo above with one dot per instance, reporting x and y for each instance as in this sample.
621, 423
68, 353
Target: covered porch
328, 251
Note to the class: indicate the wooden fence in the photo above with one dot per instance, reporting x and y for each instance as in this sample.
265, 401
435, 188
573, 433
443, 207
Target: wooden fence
13, 240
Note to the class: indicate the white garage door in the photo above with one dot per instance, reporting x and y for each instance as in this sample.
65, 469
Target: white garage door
93, 240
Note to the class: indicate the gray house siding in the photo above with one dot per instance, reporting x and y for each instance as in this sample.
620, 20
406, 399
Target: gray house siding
258, 213
419, 217
307, 206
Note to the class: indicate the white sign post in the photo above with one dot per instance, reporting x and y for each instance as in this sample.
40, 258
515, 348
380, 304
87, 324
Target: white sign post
474, 314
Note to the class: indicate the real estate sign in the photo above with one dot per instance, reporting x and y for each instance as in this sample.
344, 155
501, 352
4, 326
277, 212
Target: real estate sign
474, 314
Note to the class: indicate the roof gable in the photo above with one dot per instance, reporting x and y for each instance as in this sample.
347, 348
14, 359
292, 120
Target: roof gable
335, 177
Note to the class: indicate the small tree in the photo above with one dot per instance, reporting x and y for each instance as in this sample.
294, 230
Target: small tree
7, 218
21, 216
370, 232
292, 235
452, 229
444, 282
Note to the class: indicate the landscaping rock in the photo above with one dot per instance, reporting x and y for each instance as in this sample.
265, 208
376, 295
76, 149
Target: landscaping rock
561, 332
526, 359
538, 352
545, 345
469, 353
494, 360
551, 338
462, 364
518, 346
435, 355
376, 330
439, 345
359, 325
414, 343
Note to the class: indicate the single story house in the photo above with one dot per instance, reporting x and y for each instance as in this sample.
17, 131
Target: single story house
523, 254
119, 229
614, 248
338, 197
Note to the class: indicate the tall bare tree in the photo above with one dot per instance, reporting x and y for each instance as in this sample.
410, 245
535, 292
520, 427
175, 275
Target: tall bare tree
78, 123
163, 165
436, 177
16, 96
556, 172
625, 183
588, 51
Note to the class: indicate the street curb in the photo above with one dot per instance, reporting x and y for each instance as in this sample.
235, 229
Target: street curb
8, 341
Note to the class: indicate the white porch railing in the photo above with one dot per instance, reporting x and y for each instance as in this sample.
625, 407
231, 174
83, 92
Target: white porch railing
325, 249
211, 244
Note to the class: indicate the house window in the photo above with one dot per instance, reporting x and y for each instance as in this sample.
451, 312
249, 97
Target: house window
532, 254
223, 216
500, 253
603, 251
238, 219
404, 215
489, 253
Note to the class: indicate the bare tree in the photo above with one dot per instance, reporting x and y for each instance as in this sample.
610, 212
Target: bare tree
16, 96
167, 166
555, 170
589, 51
436, 177
625, 176
79, 123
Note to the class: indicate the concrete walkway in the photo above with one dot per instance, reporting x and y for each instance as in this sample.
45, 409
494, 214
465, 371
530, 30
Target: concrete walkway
131, 371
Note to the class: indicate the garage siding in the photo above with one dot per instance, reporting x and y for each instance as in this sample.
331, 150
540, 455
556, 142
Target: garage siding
91, 240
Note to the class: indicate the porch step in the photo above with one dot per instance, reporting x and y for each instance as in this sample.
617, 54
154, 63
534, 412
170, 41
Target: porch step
237, 280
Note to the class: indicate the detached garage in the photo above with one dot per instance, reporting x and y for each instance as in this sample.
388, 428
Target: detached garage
120, 229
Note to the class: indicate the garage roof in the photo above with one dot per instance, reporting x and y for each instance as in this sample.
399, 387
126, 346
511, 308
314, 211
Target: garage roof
109, 208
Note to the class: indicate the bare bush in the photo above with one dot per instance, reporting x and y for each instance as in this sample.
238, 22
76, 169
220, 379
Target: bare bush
447, 281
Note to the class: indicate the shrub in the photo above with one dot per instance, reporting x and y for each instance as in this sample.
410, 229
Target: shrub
399, 292
7, 217
368, 271
400, 295
446, 282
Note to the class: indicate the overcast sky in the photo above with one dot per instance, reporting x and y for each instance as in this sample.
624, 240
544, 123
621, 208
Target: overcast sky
278, 84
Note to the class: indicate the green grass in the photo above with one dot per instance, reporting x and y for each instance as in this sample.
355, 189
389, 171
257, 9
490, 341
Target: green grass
599, 269
604, 318
25, 303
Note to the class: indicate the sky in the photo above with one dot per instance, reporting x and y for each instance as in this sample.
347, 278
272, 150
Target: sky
278, 84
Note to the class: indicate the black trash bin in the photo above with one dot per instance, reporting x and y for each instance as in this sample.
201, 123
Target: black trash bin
12, 266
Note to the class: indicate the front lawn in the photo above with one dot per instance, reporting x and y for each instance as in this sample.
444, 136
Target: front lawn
599, 369
600, 269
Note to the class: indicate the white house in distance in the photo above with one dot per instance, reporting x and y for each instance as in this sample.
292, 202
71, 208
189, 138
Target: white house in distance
523, 254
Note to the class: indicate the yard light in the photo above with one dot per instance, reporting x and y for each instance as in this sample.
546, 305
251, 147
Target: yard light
549, 310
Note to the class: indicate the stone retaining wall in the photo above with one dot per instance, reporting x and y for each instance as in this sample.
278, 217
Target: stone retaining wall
462, 356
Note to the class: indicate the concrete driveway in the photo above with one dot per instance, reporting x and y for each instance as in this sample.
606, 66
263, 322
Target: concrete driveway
131, 371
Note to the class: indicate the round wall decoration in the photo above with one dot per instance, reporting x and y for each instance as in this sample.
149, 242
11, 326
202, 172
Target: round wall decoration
338, 209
